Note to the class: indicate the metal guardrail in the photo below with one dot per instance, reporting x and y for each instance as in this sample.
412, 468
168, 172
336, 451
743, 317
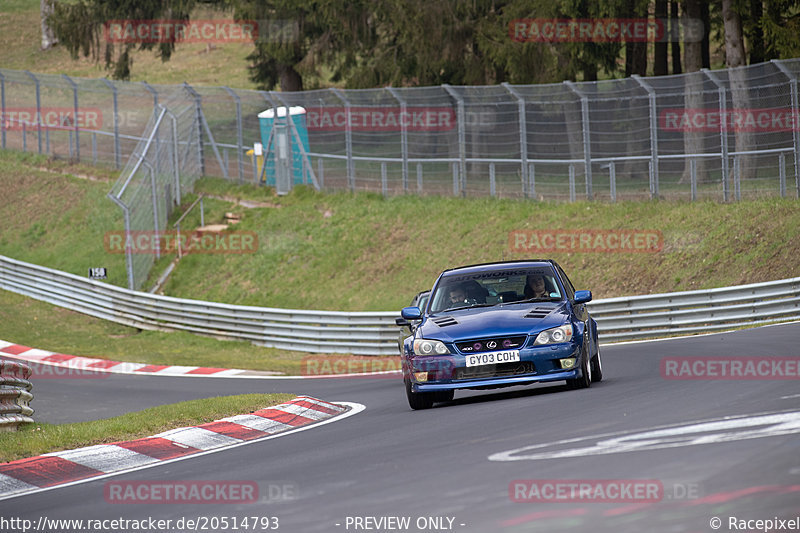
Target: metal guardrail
375, 333
657, 315
362, 333
15, 394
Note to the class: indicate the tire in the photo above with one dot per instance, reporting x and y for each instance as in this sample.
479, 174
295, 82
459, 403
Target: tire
585, 380
597, 368
418, 400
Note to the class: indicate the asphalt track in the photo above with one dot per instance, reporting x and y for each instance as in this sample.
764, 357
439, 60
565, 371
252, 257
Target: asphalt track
453, 461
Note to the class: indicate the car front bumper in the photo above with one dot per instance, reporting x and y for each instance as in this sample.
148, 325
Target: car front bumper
443, 371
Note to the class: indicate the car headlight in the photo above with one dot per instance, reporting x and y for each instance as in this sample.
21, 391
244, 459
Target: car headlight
429, 347
554, 335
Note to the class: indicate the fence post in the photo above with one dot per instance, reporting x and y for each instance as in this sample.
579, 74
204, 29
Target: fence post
723, 130
403, 135
38, 108
384, 182
419, 178
796, 114
612, 180
239, 141
116, 122
348, 139
204, 125
492, 190
571, 182
693, 177
523, 141
198, 108
587, 141
462, 141
75, 118
154, 196
3, 108
175, 165
782, 174
152, 91
651, 96
532, 179
128, 252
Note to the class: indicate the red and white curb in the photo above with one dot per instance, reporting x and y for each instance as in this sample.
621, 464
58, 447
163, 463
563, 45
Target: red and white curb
72, 466
88, 364
69, 365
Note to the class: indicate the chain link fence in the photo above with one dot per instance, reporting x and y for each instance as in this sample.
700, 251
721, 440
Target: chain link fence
162, 167
722, 135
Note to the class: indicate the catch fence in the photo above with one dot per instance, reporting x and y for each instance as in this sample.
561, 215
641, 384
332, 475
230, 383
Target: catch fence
723, 135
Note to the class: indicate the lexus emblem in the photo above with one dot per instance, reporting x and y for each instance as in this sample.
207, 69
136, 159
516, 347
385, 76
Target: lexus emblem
491, 345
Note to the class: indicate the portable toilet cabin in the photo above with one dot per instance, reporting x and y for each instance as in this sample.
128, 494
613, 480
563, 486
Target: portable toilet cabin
283, 156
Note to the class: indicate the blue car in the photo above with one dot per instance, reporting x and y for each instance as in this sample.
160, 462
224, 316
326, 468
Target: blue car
499, 325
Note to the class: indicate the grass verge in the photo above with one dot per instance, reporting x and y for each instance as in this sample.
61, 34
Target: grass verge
354, 252
35, 439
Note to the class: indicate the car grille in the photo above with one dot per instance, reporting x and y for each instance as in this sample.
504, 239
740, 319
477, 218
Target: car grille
490, 345
495, 371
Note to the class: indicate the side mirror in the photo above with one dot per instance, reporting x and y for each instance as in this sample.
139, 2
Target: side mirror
582, 297
411, 313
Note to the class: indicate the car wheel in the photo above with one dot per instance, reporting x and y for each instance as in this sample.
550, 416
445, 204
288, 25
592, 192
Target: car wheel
585, 380
418, 400
444, 396
597, 368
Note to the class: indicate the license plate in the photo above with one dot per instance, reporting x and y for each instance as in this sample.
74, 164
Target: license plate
492, 358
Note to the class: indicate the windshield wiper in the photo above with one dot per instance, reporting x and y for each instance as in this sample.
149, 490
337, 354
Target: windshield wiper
549, 299
468, 307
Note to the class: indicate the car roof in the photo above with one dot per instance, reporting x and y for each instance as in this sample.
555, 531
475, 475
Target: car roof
501, 265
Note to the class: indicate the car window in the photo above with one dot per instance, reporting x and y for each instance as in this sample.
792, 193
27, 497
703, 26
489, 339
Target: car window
494, 287
567, 284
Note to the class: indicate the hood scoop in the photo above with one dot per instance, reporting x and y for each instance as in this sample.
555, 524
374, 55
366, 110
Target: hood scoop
444, 321
538, 312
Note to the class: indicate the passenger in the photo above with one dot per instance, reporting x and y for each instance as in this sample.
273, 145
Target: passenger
535, 287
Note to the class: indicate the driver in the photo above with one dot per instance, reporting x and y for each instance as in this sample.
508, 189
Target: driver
457, 295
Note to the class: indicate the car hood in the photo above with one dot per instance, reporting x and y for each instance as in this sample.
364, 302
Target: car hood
519, 319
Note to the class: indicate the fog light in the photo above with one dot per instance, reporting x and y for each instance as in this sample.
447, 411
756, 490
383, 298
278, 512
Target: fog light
568, 363
420, 376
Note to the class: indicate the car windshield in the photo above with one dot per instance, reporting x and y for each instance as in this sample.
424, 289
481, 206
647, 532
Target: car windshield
494, 287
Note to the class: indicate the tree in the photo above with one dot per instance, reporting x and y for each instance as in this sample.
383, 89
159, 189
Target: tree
781, 26
660, 61
636, 51
674, 28
48, 38
331, 33
80, 26
735, 58
693, 142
